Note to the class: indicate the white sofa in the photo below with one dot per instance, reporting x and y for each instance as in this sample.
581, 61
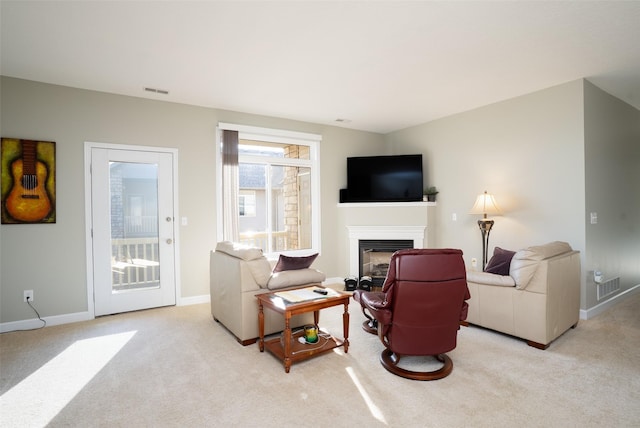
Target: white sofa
237, 274
538, 301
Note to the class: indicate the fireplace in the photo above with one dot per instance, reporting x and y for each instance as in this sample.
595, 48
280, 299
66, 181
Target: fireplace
375, 255
386, 240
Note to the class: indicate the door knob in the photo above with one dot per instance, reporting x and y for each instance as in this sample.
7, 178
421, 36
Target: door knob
169, 241
169, 219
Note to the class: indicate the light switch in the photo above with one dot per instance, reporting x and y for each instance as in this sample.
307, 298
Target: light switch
594, 218
184, 221
454, 217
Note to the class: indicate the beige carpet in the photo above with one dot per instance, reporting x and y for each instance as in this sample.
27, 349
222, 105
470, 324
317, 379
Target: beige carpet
176, 367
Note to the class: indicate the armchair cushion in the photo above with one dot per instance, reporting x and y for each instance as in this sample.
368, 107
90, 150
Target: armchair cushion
290, 278
490, 279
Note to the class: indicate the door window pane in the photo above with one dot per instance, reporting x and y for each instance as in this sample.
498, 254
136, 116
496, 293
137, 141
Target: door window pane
134, 226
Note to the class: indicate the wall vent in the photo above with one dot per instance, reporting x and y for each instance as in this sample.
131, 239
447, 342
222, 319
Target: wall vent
157, 91
608, 287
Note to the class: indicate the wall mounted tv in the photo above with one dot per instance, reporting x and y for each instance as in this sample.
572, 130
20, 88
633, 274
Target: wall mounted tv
383, 179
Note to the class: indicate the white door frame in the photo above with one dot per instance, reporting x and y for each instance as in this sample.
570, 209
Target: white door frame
88, 146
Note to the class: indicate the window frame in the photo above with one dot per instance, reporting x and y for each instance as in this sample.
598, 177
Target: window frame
279, 136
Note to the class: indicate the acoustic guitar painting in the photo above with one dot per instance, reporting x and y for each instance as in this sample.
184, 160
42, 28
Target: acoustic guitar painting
28, 181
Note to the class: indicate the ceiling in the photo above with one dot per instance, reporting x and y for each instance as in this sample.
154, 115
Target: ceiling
379, 65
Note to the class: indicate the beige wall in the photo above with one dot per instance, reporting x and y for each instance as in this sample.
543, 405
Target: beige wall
50, 259
612, 148
527, 151
550, 158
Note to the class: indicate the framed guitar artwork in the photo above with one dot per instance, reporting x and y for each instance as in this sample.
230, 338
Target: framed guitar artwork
28, 170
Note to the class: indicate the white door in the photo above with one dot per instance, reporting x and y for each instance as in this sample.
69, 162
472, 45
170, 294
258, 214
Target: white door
133, 244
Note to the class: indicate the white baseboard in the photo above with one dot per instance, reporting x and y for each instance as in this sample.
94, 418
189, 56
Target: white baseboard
205, 298
600, 308
33, 323
334, 282
194, 300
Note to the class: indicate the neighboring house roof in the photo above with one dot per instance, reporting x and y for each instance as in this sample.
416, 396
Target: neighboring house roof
252, 176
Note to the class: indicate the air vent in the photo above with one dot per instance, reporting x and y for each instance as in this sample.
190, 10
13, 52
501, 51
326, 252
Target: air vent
608, 287
157, 91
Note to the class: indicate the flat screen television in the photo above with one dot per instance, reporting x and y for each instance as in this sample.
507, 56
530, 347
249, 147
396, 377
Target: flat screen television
384, 179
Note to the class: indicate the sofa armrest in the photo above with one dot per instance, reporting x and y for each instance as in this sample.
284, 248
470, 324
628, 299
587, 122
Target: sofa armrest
246, 257
555, 272
487, 278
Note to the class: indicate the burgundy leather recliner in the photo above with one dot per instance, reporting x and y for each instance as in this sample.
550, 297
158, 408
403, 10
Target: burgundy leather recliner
419, 309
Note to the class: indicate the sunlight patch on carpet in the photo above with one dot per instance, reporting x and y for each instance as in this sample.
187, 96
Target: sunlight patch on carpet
375, 410
40, 397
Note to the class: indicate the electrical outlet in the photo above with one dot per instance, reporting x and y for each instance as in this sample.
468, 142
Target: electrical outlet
474, 263
597, 276
28, 294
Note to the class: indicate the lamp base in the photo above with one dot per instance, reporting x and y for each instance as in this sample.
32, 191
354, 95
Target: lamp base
485, 228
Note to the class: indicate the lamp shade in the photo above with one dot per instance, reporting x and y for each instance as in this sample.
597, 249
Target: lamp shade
485, 204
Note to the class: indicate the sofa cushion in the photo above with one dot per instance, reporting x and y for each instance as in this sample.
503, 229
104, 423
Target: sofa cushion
500, 262
525, 262
294, 263
292, 278
490, 279
239, 251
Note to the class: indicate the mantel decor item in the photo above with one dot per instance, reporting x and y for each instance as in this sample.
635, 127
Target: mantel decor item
430, 193
485, 204
28, 181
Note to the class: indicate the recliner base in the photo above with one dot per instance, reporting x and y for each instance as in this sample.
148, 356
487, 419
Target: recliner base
390, 361
370, 326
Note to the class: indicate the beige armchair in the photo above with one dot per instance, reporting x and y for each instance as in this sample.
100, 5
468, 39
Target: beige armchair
238, 273
538, 301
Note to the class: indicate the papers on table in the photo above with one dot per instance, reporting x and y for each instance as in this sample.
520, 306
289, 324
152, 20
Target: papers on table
304, 294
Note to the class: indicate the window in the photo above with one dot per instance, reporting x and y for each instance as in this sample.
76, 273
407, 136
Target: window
277, 191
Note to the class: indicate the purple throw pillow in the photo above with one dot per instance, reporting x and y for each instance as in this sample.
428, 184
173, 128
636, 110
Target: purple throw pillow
500, 262
294, 263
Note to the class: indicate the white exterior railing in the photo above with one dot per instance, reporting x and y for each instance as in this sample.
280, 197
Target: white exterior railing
135, 263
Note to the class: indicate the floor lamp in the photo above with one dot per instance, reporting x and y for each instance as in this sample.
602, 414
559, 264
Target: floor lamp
485, 204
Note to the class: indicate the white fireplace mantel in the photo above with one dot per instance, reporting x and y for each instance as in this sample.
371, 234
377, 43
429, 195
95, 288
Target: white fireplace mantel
357, 233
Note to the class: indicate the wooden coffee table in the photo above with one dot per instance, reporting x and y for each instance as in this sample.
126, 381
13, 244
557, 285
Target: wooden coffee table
289, 349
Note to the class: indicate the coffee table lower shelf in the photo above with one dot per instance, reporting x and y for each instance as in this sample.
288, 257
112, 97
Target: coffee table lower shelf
303, 351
